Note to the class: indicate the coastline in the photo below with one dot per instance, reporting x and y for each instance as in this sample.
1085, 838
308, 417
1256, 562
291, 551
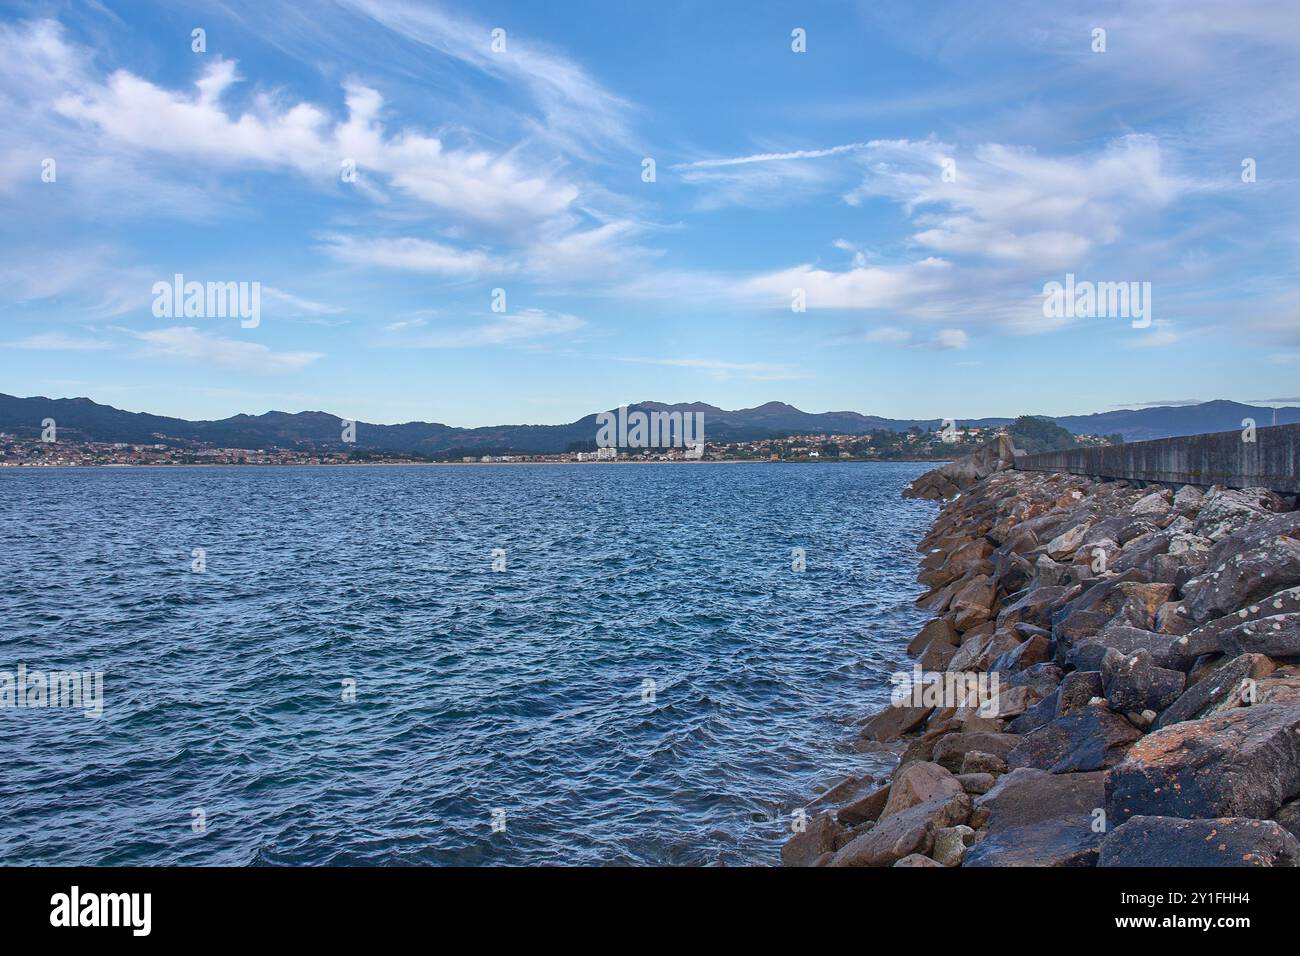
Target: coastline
472, 464
1111, 677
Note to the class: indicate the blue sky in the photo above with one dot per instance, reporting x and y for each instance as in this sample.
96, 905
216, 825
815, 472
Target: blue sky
521, 169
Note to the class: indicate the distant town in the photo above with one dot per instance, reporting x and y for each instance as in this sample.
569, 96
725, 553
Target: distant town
913, 445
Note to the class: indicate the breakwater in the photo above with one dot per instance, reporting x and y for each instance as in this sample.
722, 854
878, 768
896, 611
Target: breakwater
1136, 699
1247, 458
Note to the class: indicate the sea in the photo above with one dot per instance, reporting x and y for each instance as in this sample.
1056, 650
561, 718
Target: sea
475, 665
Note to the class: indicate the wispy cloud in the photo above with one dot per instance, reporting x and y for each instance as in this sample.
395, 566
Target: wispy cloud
527, 328
58, 342
192, 345
751, 371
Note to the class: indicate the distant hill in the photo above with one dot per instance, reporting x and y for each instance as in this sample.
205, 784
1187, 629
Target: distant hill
83, 419
1167, 421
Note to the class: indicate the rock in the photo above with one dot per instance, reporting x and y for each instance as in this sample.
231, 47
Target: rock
917, 859
973, 604
1011, 702
1041, 714
1012, 571
1077, 689
919, 782
977, 761
1226, 680
1064, 545
1035, 818
1142, 551
822, 835
937, 657
1154, 505
951, 750
905, 833
950, 844
1276, 636
1288, 817
1227, 511
844, 790
976, 783
1205, 639
999, 645
1091, 738
864, 808
1035, 650
1280, 687
892, 722
1036, 606
1245, 763
939, 629
970, 653
1142, 720
1141, 603
1134, 683
1090, 610
972, 556
1049, 573
1246, 567
1169, 620
1088, 653
1188, 500
1171, 841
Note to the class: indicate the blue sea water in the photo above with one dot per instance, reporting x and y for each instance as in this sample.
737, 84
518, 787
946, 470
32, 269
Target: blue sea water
518, 696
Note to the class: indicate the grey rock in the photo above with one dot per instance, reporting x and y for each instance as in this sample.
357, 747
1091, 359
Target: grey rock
1172, 841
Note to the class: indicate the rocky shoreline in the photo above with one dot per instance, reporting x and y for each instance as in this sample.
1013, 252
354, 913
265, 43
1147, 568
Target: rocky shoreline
1111, 677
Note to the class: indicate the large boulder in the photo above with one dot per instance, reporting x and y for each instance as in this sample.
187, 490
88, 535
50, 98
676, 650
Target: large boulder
1035, 818
1172, 841
821, 835
1245, 763
1276, 636
905, 833
950, 844
950, 751
1227, 511
1225, 681
866, 807
1247, 567
1133, 683
919, 782
973, 604
892, 722
940, 629
1091, 738
1088, 653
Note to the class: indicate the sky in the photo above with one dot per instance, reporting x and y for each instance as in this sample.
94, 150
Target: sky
450, 214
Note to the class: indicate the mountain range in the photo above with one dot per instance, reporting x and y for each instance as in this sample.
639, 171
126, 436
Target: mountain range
85, 420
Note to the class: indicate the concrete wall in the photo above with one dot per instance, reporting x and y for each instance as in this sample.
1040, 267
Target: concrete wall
1221, 458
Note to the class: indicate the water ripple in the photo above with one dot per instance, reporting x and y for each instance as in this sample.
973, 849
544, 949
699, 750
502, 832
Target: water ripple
524, 692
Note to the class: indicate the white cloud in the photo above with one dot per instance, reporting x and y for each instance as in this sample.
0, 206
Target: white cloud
527, 328
578, 111
132, 112
887, 334
948, 340
58, 342
413, 255
722, 370
190, 344
1162, 335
